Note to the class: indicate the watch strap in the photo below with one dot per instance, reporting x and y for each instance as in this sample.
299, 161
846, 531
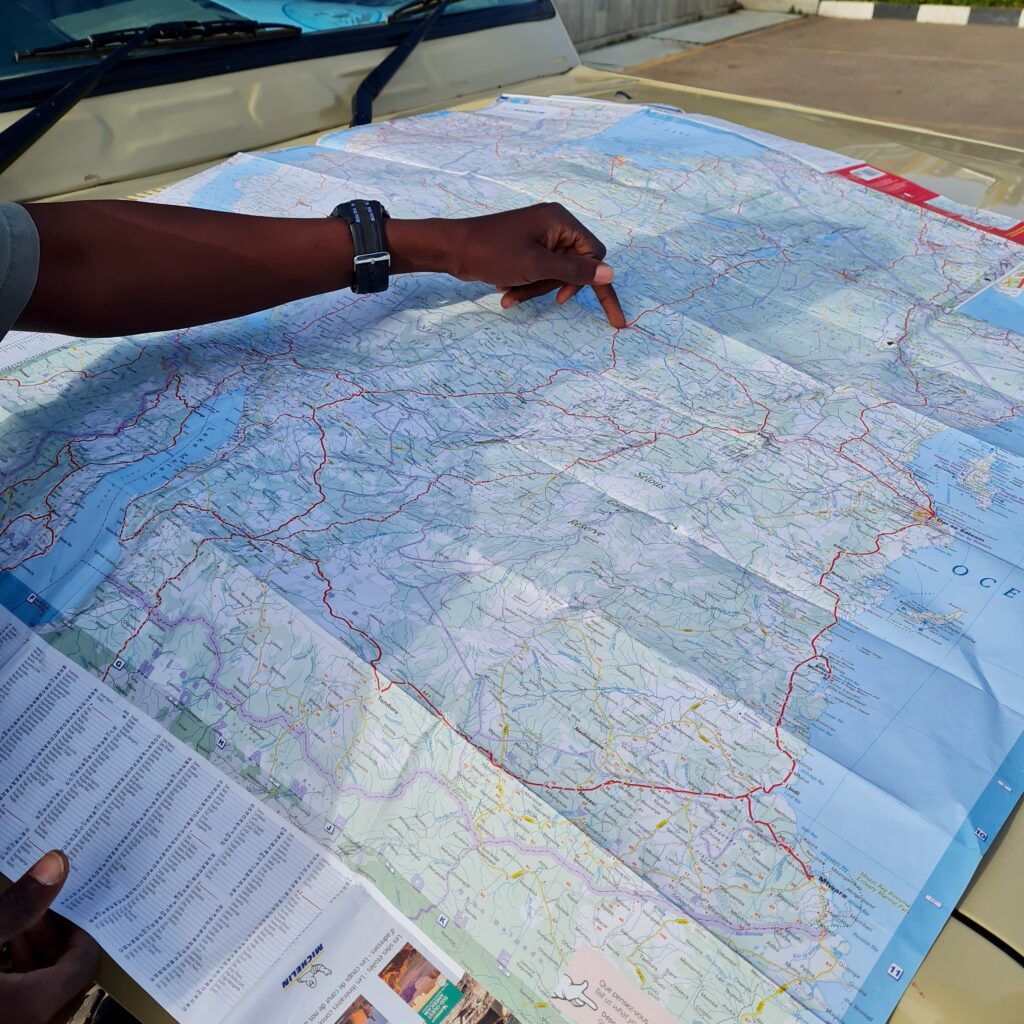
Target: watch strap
372, 263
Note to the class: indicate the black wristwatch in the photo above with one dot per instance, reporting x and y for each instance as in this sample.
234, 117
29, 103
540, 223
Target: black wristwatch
372, 266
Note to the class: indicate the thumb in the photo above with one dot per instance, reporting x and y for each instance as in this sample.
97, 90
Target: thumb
25, 902
581, 270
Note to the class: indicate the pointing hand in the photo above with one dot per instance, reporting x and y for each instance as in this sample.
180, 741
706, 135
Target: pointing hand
524, 253
573, 992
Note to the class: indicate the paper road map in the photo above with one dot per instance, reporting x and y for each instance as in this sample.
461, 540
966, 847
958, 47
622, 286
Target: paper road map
663, 673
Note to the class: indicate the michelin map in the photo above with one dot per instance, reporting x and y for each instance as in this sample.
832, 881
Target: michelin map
687, 654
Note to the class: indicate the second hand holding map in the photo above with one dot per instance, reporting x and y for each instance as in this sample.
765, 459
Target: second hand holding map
687, 652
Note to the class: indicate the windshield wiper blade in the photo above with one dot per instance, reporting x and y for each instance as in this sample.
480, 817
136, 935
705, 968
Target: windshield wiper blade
370, 87
25, 131
166, 33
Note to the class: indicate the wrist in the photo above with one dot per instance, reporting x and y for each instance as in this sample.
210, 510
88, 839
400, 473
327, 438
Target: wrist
421, 246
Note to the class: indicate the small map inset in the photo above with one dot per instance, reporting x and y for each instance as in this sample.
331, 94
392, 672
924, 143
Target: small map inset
1000, 303
420, 984
1013, 283
362, 1011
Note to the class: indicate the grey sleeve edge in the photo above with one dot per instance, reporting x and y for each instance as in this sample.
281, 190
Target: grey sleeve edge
20, 269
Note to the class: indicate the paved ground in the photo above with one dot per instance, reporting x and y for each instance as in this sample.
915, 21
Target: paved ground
673, 41
959, 80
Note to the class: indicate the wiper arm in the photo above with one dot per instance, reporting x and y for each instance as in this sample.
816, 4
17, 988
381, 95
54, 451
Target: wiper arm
370, 87
165, 33
25, 131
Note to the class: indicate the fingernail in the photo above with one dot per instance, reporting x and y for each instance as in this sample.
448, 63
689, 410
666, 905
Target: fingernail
49, 869
603, 274
509, 303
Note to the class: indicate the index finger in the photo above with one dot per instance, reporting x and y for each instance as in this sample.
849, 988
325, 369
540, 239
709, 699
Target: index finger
610, 304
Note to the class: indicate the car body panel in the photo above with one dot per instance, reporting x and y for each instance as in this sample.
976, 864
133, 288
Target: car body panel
963, 980
126, 135
995, 898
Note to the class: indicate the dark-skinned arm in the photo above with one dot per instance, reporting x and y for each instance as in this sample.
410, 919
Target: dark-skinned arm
109, 268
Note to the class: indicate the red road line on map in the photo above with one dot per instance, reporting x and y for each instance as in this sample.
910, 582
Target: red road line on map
55, 464
267, 536
84, 374
778, 842
746, 797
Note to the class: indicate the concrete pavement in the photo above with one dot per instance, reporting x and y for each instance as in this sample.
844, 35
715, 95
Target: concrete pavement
958, 80
673, 41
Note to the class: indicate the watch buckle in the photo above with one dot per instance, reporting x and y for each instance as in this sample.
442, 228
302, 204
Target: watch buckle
370, 258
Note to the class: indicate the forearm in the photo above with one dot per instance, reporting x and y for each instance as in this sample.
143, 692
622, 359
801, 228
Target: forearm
112, 268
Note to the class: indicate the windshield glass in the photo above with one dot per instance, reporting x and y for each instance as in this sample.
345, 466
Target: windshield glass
31, 24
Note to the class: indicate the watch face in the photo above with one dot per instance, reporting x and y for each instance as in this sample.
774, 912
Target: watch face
361, 210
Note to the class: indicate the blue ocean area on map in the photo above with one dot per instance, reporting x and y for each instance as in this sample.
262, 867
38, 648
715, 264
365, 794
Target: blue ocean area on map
866, 770
998, 306
961, 605
87, 549
1006, 434
885, 722
939, 645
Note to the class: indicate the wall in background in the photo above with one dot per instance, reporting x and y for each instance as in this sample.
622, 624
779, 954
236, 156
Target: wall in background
593, 22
